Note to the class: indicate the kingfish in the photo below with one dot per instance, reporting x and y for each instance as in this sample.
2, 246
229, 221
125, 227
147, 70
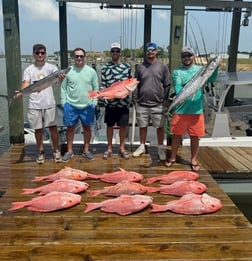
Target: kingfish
196, 82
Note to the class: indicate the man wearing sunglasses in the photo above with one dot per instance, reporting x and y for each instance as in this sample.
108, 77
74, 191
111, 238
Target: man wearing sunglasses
42, 105
76, 102
188, 116
150, 98
117, 110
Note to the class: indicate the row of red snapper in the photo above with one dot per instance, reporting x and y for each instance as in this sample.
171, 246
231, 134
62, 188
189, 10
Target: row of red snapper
60, 193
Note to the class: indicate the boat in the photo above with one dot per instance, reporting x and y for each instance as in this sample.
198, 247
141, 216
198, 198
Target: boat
228, 125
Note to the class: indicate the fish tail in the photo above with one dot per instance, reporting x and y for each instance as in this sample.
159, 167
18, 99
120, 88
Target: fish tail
91, 206
28, 191
92, 94
17, 205
92, 176
38, 179
157, 208
151, 180
94, 193
152, 189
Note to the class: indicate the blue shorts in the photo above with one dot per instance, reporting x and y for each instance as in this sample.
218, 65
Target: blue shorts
73, 115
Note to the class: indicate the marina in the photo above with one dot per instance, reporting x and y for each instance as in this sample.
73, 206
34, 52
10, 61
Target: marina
72, 234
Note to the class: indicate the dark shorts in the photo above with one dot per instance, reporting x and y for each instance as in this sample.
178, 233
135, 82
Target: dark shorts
117, 116
73, 115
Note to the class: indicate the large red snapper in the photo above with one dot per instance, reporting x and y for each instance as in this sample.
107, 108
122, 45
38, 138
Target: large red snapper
123, 205
190, 204
67, 173
174, 176
120, 90
180, 188
50, 202
62, 185
118, 176
124, 187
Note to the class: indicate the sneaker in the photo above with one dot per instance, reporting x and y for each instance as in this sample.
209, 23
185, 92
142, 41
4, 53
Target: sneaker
41, 157
57, 156
139, 151
88, 155
67, 156
162, 154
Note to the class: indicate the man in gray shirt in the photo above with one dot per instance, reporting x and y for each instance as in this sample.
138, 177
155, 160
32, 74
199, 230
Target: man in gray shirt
151, 98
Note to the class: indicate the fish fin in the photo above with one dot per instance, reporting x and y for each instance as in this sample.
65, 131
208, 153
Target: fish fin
38, 179
91, 206
28, 191
122, 169
17, 205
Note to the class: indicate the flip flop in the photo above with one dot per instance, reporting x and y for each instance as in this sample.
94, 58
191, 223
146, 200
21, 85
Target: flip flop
169, 163
107, 154
195, 167
124, 154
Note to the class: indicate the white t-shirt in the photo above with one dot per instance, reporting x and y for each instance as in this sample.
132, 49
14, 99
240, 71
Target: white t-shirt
45, 98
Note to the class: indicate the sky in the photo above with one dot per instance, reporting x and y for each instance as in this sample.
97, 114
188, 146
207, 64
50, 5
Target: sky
94, 29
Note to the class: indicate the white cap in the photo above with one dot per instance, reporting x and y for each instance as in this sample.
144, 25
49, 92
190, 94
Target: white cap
115, 45
187, 49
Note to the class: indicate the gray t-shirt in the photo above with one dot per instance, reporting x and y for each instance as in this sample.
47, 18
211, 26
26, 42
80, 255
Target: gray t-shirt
154, 83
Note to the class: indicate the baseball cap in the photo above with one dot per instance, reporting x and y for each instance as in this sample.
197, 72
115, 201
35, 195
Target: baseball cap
187, 49
115, 45
151, 46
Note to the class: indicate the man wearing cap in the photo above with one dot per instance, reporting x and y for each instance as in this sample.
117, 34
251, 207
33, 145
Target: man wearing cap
117, 110
188, 116
150, 97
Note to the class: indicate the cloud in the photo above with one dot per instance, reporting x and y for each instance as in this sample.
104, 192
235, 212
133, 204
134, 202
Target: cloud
40, 9
93, 12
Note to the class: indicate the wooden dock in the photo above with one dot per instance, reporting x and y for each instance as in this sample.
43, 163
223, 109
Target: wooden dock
73, 235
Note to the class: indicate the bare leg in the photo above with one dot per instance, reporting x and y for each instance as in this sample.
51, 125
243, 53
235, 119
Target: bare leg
39, 139
122, 134
87, 137
55, 137
110, 132
176, 140
70, 136
194, 149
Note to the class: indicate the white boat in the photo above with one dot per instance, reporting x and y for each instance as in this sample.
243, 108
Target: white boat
228, 125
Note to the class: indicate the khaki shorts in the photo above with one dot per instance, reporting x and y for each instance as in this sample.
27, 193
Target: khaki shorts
193, 124
42, 118
145, 115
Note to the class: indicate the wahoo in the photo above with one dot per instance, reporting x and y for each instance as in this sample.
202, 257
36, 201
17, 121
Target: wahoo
198, 80
39, 85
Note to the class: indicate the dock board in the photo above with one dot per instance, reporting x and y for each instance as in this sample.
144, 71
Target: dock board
73, 235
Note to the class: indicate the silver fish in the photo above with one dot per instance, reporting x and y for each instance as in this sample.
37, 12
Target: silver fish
38, 85
45, 82
196, 82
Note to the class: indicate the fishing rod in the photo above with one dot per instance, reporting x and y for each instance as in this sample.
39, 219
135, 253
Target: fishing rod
202, 37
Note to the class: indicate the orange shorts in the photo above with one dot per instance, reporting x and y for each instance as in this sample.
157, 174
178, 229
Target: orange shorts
193, 124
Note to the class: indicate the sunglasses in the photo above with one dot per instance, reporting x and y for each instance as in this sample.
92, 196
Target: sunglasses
188, 55
151, 50
81, 56
42, 53
115, 51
